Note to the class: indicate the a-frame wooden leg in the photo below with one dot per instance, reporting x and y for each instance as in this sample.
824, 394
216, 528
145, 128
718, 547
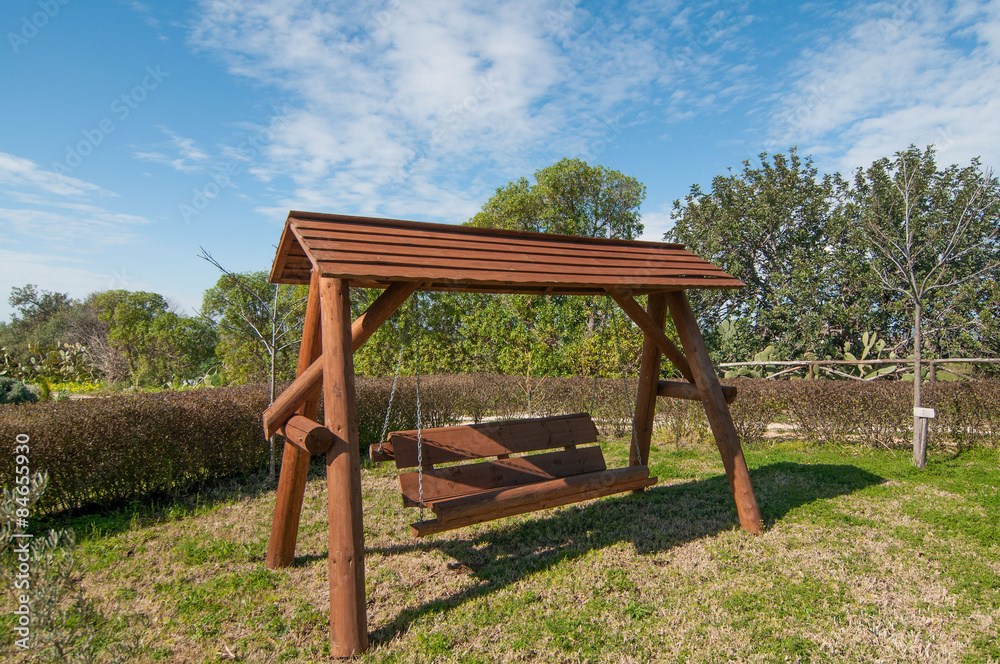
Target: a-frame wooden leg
717, 411
295, 462
348, 613
649, 376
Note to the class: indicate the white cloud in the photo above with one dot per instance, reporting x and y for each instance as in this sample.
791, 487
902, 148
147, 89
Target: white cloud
656, 223
915, 73
58, 208
432, 105
17, 173
186, 157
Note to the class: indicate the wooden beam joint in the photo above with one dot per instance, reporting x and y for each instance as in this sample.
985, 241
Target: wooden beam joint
307, 435
689, 391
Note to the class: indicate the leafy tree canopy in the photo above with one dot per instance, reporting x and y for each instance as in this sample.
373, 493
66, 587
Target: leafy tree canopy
569, 197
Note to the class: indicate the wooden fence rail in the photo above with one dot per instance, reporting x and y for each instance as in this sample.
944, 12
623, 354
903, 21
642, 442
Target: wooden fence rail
826, 365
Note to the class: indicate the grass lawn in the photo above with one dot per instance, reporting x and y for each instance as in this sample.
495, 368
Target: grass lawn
865, 559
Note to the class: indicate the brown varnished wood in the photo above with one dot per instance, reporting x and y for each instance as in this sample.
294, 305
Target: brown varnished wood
366, 250
717, 412
338, 236
453, 481
651, 331
649, 375
308, 381
348, 613
307, 435
477, 508
295, 462
690, 391
476, 441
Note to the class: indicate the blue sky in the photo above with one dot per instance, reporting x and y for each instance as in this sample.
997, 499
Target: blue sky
133, 133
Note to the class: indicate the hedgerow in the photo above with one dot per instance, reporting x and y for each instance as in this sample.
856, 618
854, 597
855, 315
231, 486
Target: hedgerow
108, 449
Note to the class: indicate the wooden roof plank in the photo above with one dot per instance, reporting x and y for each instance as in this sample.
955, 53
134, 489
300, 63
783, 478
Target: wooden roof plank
376, 252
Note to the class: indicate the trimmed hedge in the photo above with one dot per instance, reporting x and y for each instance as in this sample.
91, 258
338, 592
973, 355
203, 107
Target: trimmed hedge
110, 449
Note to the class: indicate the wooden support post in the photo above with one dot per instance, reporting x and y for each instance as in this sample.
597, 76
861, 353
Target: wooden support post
649, 376
348, 613
308, 380
307, 387
295, 462
717, 411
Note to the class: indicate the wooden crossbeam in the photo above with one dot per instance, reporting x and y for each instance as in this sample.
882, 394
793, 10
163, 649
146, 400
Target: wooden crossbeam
309, 381
652, 331
689, 391
307, 434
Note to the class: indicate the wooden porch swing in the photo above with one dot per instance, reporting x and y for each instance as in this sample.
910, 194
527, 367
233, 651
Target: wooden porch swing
333, 253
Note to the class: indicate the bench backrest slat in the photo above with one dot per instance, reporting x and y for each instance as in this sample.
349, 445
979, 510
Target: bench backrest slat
470, 478
491, 439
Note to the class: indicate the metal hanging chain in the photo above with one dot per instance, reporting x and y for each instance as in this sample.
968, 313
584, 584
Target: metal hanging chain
392, 395
420, 431
600, 354
628, 395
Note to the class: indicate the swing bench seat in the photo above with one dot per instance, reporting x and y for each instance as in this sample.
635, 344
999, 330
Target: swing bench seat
463, 494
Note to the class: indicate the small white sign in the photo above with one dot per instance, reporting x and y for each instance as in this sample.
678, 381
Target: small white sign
924, 412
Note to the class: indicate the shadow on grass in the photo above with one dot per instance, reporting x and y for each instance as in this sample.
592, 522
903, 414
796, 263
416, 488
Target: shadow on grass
659, 519
112, 518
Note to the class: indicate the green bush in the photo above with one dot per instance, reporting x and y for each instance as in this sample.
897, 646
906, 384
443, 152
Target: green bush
109, 449
102, 450
14, 391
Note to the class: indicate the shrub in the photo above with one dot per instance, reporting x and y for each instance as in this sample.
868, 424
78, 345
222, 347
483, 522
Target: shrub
14, 391
109, 449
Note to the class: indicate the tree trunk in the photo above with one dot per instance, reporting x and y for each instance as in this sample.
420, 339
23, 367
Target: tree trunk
919, 428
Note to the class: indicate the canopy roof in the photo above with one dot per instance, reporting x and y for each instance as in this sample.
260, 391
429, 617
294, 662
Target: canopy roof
373, 253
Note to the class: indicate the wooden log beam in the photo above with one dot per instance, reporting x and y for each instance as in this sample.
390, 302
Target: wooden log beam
719, 418
690, 391
309, 380
649, 328
307, 435
348, 613
649, 374
294, 462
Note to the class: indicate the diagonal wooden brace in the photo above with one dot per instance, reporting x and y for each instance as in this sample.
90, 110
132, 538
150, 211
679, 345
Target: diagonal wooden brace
311, 379
653, 332
717, 412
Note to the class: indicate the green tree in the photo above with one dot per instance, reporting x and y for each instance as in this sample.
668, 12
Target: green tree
259, 325
534, 336
934, 239
780, 229
158, 345
42, 322
569, 197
